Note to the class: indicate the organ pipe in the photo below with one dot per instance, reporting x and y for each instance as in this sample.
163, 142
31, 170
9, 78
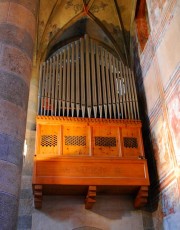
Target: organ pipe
56, 84
40, 97
103, 83
93, 74
99, 86
84, 79
52, 87
77, 80
45, 88
64, 82
68, 81
60, 82
72, 81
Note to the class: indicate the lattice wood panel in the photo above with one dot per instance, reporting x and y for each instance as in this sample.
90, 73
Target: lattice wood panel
48, 140
75, 140
131, 142
105, 141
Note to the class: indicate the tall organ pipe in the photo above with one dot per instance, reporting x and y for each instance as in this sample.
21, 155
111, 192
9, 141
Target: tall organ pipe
72, 81
123, 90
103, 83
52, 87
99, 86
108, 89
111, 70
49, 87
68, 81
88, 78
119, 89
78, 90
56, 84
117, 103
83, 99
60, 68
41, 88
93, 74
64, 82
45, 90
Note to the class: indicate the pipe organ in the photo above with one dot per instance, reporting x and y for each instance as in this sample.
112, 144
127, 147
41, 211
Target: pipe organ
88, 129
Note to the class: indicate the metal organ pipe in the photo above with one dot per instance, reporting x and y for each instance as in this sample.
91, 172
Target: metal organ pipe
52, 86
49, 87
112, 89
84, 79
60, 82
88, 78
78, 103
103, 82
41, 87
72, 81
126, 89
99, 86
93, 75
117, 103
107, 83
56, 84
45, 88
123, 91
119, 89
64, 82
68, 81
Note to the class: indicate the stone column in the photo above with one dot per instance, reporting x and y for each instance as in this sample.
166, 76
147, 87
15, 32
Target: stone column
17, 35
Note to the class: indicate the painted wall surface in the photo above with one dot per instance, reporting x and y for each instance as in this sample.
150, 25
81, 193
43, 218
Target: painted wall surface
159, 78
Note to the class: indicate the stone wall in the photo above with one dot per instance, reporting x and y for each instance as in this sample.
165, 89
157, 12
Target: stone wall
17, 35
68, 213
159, 93
26, 196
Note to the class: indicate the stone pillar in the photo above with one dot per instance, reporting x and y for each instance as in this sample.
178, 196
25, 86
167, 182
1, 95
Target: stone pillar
17, 35
26, 196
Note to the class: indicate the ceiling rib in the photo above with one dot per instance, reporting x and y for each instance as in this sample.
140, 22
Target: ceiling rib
121, 25
101, 25
42, 37
90, 4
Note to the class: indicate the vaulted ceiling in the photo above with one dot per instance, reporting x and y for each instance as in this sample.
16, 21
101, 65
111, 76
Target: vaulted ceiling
109, 21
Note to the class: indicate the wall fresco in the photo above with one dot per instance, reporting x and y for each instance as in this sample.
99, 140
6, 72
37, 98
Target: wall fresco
162, 47
173, 107
151, 89
167, 214
155, 10
171, 207
160, 141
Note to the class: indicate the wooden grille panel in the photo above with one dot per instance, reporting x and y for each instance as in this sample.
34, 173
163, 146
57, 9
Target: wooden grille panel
75, 140
105, 141
49, 140
130, 142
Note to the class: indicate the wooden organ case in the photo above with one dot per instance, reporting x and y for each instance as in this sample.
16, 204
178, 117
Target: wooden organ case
88, 133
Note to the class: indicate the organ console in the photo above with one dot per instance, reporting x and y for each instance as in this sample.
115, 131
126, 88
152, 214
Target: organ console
88, 131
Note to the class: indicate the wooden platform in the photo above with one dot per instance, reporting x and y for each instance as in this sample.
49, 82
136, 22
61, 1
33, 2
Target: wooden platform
91, 155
